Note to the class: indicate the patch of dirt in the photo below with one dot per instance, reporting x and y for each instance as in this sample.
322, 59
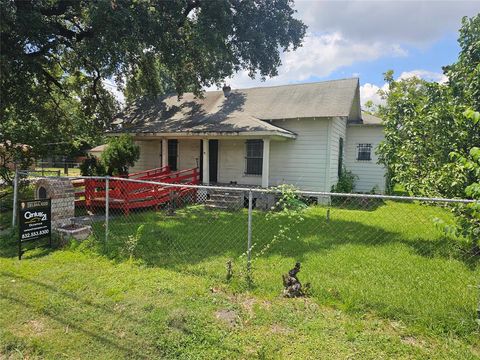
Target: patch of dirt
37, 326
279, 329
247, 304
228, 317
396, 325
178, 320
410, 340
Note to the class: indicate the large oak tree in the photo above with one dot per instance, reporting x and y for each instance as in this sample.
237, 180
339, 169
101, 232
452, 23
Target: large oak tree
55, 55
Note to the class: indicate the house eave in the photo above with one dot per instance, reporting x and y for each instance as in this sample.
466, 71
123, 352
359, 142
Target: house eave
364, 125
209, 134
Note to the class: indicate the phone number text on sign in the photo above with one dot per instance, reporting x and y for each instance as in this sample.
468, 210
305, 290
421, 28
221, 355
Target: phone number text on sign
35, 234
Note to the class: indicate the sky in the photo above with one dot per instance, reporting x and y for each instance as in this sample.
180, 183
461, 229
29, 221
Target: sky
363, 39
366, 38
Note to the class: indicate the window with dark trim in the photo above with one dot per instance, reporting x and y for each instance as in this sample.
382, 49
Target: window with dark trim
254, 157
364, 152
340, 156
172, 154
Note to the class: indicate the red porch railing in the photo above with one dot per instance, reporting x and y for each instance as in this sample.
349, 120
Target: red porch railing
127, 195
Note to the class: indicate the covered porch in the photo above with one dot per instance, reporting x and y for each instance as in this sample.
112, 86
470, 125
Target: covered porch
233, 159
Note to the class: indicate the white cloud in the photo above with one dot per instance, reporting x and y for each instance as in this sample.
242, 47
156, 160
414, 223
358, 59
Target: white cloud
319, 56
424, 74
412, 22
369, 91
342, 33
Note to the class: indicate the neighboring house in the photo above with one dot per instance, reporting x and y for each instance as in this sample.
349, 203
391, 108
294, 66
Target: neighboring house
298, 134
97, 150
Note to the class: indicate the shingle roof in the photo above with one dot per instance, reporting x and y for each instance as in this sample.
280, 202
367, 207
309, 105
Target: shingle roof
243, 109
98, 148
367, 119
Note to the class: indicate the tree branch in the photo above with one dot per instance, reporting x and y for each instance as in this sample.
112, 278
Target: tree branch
60, 9
72, 35
51, 79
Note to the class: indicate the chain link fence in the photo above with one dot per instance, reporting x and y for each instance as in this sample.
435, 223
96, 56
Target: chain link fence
357, 249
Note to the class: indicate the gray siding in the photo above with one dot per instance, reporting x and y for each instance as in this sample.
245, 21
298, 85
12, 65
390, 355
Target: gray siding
301, 161
370, 174
188, 154
150, 156
231, 163
338, 129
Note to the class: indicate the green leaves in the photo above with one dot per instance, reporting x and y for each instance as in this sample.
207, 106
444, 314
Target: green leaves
432, 134
430, 127
120, 153
56, 55
473, 115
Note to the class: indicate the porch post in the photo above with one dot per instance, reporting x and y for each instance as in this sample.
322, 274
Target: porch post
164, 152
266, 162
205, 160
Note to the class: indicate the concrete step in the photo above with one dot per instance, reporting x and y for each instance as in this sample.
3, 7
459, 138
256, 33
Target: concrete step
218, 207
227, 198
226, 203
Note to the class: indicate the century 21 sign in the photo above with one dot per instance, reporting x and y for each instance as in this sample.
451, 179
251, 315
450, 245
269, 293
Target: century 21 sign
34, 221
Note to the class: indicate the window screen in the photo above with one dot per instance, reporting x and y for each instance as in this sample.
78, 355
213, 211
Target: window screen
254, 157
364, 152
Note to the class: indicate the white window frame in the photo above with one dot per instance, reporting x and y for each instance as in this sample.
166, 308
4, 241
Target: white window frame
259, 141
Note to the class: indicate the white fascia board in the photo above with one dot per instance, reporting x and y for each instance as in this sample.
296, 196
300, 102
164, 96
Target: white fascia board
216, 135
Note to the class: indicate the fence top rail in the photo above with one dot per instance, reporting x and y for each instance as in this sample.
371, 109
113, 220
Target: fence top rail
273, 190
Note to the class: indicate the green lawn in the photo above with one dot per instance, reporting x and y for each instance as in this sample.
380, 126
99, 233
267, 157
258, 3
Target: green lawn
385, 284
51, 171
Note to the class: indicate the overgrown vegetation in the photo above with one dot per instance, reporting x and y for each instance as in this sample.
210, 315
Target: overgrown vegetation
120, 153
287, 212
346, 182
468, 224
425, 122
92, 166
432, 132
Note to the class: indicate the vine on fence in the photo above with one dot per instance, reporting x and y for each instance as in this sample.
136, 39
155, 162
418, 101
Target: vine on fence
288, 211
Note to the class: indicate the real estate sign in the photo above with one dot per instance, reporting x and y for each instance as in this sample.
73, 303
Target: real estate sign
34, 221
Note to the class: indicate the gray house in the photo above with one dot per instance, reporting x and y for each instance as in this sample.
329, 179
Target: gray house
299, 134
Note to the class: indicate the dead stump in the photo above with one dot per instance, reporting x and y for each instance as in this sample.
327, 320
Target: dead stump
292, 287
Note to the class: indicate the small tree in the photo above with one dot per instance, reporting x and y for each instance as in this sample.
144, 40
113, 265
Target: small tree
468, 216
120, 153
92, 166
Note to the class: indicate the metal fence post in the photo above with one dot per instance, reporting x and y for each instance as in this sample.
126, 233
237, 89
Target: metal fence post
15, 199
249, 249
107, 209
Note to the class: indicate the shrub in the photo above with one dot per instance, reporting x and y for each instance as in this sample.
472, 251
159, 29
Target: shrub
92, 166
120, 153
346, 182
